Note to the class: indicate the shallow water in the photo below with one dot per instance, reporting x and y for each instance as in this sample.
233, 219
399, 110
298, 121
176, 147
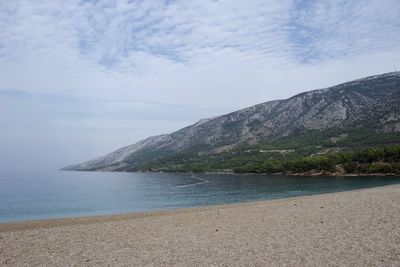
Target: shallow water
57, 194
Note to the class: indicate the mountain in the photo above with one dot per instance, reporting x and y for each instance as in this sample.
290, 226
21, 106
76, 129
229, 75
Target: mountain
364, 108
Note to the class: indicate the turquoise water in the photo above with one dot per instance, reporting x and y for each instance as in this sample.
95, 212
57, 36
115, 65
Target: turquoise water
58, 194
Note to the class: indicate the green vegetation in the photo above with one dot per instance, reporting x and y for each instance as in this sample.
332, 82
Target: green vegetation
378, 160
360, 151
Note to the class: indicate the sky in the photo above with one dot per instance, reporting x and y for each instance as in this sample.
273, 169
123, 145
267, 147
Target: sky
79, 79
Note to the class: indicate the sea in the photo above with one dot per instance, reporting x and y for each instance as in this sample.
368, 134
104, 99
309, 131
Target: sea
45, 194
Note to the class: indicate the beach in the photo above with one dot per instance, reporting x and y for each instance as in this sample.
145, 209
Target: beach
353, 228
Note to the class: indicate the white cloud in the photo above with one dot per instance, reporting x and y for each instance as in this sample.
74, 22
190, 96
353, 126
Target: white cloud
185, 52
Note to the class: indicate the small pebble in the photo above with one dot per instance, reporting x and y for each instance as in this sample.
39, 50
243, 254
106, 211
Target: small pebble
322, 222
216, 230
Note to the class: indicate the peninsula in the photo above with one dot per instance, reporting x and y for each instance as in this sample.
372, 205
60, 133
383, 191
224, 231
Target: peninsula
350, 128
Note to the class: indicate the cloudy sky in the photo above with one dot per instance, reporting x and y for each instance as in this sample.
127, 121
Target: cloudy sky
81, 78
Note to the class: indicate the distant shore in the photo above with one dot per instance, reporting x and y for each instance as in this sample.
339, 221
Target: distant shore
353, 228
282, 174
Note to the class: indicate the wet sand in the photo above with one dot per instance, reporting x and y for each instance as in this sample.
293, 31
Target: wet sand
355, 228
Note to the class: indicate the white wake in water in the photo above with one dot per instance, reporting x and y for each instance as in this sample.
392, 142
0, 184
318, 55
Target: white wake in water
203, 181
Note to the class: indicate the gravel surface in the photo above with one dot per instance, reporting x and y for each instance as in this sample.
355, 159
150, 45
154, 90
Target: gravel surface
356, 228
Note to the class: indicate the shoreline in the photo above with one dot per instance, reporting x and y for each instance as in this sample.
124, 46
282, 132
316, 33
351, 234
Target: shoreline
349, 228
76, 220
306, 174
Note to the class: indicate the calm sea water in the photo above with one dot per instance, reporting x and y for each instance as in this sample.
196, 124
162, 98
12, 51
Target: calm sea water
56, 194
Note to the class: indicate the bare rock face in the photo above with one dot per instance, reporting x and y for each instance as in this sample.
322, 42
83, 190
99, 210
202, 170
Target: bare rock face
373, 102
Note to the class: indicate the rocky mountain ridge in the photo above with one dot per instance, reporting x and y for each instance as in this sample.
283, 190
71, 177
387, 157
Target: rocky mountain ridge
372, 101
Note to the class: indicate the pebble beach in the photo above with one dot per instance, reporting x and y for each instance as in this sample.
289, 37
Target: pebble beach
353, 228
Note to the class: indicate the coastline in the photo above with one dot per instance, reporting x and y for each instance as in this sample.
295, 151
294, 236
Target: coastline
74, 220
305, 174
360, 227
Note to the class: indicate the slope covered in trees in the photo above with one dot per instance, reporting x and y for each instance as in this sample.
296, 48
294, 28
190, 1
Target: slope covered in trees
330, 152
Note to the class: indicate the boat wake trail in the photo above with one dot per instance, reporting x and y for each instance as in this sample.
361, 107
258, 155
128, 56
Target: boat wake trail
203, 181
